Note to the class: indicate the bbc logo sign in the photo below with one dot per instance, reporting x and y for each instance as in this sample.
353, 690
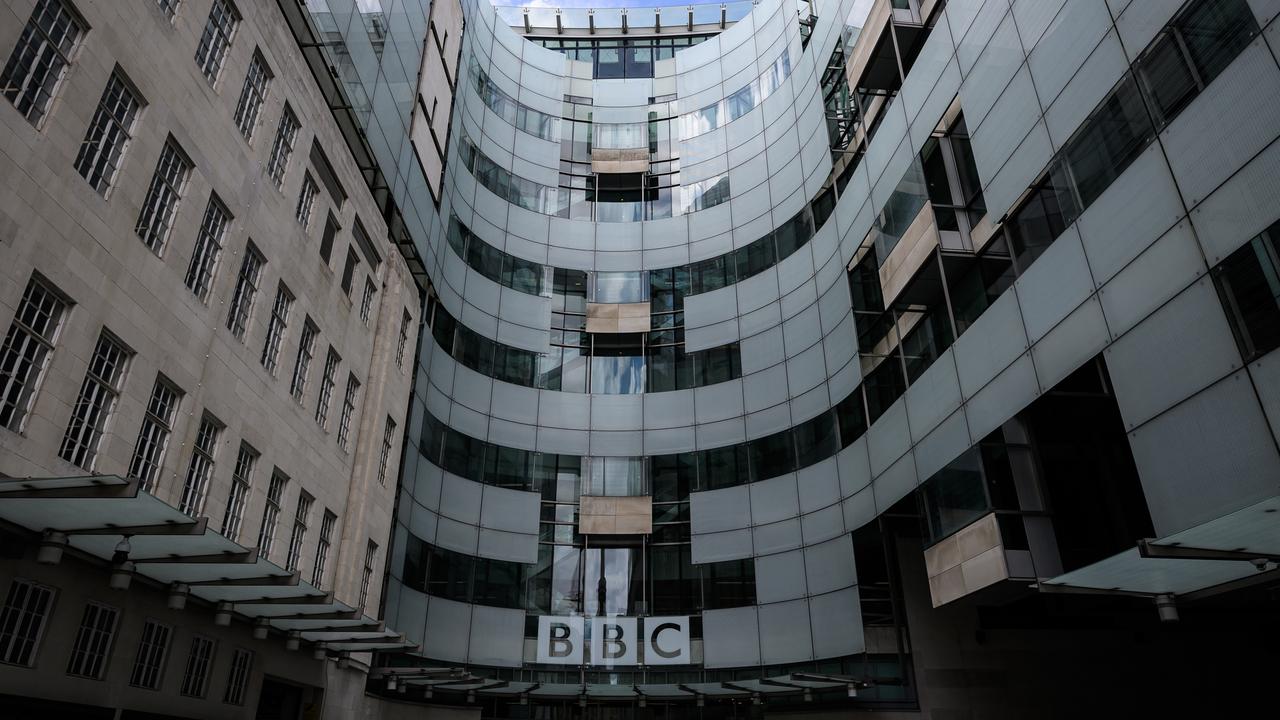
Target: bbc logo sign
613, 641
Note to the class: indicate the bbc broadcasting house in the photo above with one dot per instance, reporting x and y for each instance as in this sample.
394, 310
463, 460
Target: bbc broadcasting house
390, 359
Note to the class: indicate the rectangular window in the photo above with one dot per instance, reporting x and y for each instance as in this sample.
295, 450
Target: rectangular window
271, 513
326, 389
322, 547
349, 271
331, 228
276, 328
302, 365
1249, 285
92, 646
148, 665
153, 436
306, 199
252, 95
95, 403
26, 608
1108, 141
348, 409
246, 291
158, 208
299, 535
195, 679
27, 348
204, 259
201, 467
108, 135
282, 148
238, 680
367, 574
216, 38
241, 483
388, 432
403, 340
40, 59
366, 302
168, 7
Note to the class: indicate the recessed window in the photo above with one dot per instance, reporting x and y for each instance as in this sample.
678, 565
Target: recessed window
158, 208
276, 327
282, 147
92, 645
95, 403
148, 664
322, 547
331, 228
153, 436
241, 484
327, 380
384, 456
349, 271
168, 7
238, 680
302, 364
246, 291
40, 58
301, 517
22, 620
306, 200
200, 468
403, 340
366, 301
216, 38
348, 410
204, 258
27, 348
108, 135
195, 678
370, 551
271, 512
252, 95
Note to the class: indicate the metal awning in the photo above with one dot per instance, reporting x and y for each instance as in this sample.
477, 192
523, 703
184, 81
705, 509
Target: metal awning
1234, 551
458, 680
100, 514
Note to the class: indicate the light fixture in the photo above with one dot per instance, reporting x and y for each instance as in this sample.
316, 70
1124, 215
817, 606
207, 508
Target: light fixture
853, 690
320, 651
51, 546
524, 698
121, 566
427, 693
222, 614
1167, 608
644, 701
344, 662
293, 641
178, 595
261, 626
755, 699
582, 700
402, 689
471, 696
391, 681
808, 695
701, 701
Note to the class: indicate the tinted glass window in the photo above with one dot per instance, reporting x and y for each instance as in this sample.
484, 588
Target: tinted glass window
1249, 285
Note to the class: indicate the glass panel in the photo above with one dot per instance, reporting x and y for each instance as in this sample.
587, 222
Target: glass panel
1249, 285
620, 287
955, 496
1216, 31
